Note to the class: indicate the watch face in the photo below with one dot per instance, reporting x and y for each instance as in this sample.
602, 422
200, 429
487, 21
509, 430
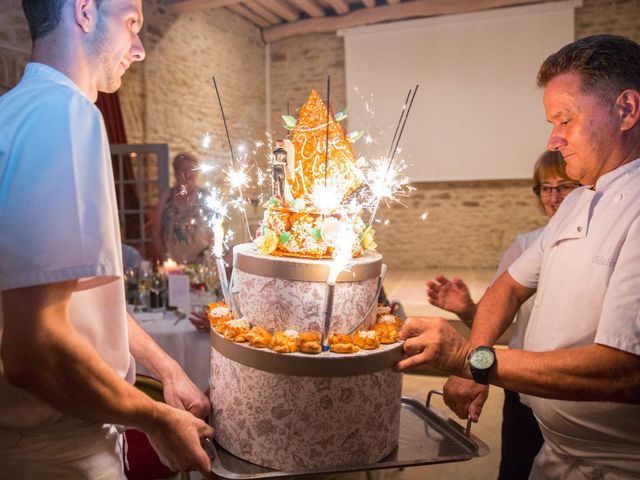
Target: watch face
482, 358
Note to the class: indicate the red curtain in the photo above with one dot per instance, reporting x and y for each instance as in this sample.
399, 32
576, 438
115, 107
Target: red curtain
109, 105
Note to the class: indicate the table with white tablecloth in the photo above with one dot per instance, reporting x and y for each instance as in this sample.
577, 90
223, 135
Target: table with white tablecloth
180, 339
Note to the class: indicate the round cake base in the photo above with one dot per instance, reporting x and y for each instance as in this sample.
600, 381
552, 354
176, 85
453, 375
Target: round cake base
289, 422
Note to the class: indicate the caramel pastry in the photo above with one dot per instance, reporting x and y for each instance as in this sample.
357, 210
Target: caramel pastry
391, 319
382, 310
283, 343
340, 338
236, 329
342, 343
218, 312
366, 339
309, 342
387, 333
259, 337
344, 348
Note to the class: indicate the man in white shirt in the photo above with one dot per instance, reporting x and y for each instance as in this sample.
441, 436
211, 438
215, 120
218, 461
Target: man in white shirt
581, 357
67, 341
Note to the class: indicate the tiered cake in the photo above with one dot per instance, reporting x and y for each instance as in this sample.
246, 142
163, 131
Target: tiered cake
300, 411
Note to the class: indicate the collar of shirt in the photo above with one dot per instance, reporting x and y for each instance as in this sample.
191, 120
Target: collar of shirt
40, 70
607, 179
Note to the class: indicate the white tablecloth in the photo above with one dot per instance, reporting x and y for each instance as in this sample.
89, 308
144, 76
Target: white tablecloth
190, 348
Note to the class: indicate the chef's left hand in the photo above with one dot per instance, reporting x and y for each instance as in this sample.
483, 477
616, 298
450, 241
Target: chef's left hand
432, 341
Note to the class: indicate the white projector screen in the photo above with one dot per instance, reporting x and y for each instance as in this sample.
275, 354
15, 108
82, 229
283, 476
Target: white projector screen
478, 114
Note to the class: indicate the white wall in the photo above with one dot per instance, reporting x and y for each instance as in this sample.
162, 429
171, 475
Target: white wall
478, 113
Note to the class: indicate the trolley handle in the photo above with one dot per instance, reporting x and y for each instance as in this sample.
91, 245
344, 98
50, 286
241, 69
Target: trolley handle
467, 430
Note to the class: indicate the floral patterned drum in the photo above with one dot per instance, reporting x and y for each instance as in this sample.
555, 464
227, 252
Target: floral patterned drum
337, 409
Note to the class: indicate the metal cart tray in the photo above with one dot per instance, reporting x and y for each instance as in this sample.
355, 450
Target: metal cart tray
425, 438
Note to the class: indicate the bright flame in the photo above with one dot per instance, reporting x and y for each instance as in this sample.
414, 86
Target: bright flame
218, 237
238, 178
206, 140
343, 252
325, 198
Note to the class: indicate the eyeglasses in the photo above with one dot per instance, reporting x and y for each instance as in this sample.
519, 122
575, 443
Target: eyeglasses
563, 189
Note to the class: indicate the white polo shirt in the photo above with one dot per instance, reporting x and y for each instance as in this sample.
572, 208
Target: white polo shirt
586, 267
59, 221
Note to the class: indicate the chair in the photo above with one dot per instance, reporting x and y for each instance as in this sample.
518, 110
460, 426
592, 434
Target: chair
143, 462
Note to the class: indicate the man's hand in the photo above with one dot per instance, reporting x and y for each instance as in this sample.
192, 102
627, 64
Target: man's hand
431, 340
465, 397
200, 320
450, 295
176, 437
182, 393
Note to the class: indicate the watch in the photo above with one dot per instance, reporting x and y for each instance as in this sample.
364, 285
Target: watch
481, 359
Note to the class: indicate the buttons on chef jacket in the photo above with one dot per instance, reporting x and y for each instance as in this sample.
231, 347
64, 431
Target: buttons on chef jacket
579, 228
618, 198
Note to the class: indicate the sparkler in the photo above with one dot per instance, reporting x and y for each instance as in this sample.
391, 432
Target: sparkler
342, 255
326, 141
233, 158
404, 114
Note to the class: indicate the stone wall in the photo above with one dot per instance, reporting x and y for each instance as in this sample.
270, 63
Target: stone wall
169, 99
301, 63
470, 224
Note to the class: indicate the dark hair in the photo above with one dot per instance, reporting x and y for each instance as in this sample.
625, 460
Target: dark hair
607, 65
44, 16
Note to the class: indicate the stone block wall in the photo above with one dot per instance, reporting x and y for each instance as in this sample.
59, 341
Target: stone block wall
299, 64
169, 99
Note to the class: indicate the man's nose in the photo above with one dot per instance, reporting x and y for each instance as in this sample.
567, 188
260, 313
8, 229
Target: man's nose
137, 50
555, 141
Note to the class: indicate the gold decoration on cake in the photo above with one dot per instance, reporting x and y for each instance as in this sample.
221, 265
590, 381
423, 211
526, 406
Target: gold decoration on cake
309, 140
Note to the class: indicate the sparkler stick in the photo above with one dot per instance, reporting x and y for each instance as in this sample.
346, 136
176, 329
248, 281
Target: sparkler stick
326, 141
220, 265
233, 158
394, 145
342, 255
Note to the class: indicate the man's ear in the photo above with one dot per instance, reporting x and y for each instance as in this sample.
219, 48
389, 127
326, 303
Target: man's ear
628, 104
84, 14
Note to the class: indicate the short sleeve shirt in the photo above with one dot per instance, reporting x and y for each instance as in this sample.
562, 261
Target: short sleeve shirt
59, 218
586, 268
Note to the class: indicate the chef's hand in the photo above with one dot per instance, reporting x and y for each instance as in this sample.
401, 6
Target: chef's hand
176, 437
182, 393
432, 341
465, 397
200, 320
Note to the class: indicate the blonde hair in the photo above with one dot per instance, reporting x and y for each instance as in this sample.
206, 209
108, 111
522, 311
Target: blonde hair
549, 164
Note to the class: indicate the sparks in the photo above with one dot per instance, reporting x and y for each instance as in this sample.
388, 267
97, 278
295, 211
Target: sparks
206, 141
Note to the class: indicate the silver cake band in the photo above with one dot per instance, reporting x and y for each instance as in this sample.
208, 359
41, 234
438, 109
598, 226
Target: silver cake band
249, 260
327, 364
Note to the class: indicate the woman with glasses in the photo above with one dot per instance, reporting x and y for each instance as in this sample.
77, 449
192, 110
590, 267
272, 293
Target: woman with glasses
521, 437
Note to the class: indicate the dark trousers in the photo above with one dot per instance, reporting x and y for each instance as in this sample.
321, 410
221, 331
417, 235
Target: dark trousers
521, 439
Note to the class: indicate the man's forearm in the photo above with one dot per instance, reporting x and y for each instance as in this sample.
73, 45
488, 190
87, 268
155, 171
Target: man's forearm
497, 309
43, 354
148, 353
590, 373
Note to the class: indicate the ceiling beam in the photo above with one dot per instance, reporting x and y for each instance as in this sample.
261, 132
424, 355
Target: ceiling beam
281, 9
190, 6
259, 9
339, 6
249, 15
310, 7
386, 13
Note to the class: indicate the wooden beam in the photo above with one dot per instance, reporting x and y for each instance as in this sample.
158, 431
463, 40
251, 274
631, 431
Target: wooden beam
281, 9
386, 13
249, 15
339, 6
190, 6
258, 9
310, 7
